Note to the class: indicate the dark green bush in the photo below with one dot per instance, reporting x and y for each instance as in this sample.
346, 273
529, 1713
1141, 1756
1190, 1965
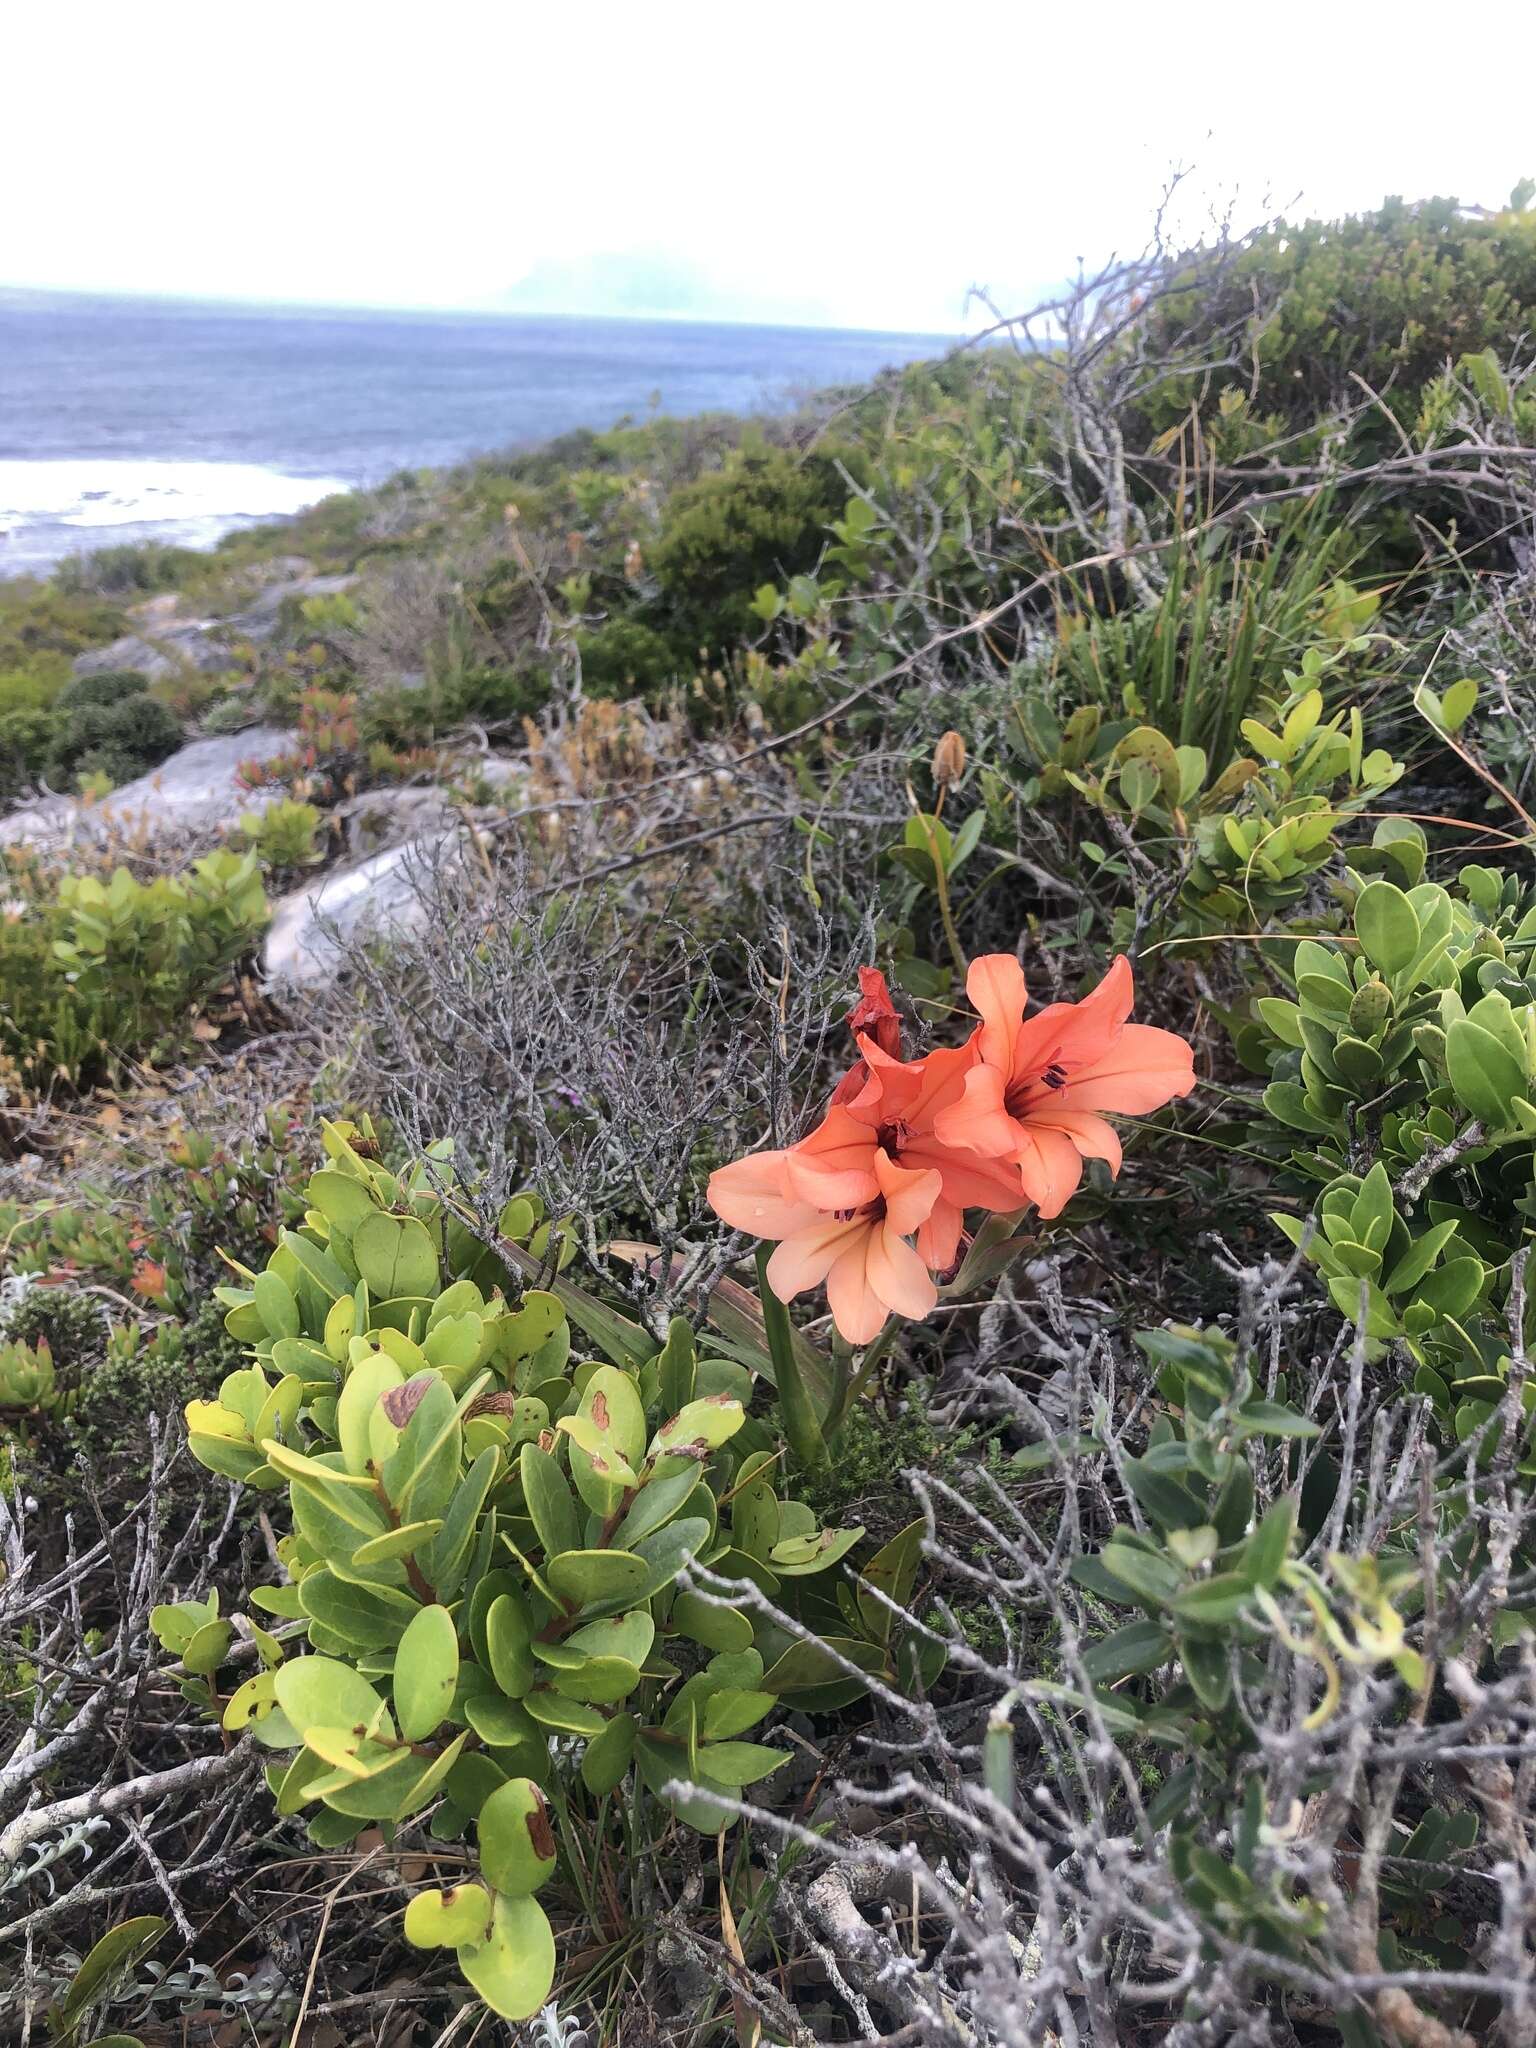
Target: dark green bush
27, 743
502, 692
1390, 296
626, 658
128, 571
101, 689
121, 740
761, 519
401, 715
96, 971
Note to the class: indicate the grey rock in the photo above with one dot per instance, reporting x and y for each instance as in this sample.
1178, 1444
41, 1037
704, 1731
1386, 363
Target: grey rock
166, 643
258, 620
194, 791
386, 896
130, 652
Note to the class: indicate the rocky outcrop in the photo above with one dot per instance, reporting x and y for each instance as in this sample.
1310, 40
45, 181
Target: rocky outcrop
195, 791
386, 896
167, 640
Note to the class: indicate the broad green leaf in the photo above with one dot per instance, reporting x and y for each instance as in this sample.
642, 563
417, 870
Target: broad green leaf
657, 1502
1151, 1578
276, 1306
733, 1711
1419, 1257
121, 1949
402, 1542
426, 1673
454, 1541
717, 1628
368, 1617
514, 1967
343, 1201
508, 1632
323, 1692
616, 1635
1270, 1544
739, 1763
583, 1578
331, 1280
1137, 1649
1386, 926
1208, 1668
548, 1495
422, 1473
608, 1756
1484, 1073
517, 1839
667, 1552
502, 1723
448, 1919
600, 1681
1219, 1599
892, 1571
611, 1402
552, 1709
205, 1652
700, 1428
395, 1255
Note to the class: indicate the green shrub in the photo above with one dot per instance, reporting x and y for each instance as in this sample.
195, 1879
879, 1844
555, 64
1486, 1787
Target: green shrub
503, 693
486, 1543
1404, 1072
1389, 296
108, 725
131, 571
1253, 837
625, 659
285, 836
101, 970
762, 518
100, 689
28, 741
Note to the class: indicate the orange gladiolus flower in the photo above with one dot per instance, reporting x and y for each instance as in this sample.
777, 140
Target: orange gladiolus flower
1034, 1095
897, 1111
859, 1249
907, 1146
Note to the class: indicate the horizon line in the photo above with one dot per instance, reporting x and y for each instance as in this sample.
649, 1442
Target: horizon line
474, 312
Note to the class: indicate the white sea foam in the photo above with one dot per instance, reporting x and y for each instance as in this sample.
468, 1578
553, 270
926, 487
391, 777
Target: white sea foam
93, 492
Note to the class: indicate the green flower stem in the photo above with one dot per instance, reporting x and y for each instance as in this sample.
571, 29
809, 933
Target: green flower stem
801, 1425
851, 1387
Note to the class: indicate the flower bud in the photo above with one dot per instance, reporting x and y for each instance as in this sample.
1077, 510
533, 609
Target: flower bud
1429, 1043
1370, 1009
949, 760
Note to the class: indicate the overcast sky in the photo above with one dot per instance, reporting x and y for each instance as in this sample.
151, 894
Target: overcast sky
831, 163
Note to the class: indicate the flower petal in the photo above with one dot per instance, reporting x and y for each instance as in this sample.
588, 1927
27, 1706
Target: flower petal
857, 1310
1050, 1166
750, 1194
1093, 1025
897, 1276
1142, 1070
804, 1260
995, 985
938, 1240
1094, 1138
909, 1196
835, 1166
978, 1122
970, 1181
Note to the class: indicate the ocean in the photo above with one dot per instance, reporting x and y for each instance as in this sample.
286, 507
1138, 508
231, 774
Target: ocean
136, 419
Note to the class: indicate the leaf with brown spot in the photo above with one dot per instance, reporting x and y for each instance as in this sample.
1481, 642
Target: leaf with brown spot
400, 1403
